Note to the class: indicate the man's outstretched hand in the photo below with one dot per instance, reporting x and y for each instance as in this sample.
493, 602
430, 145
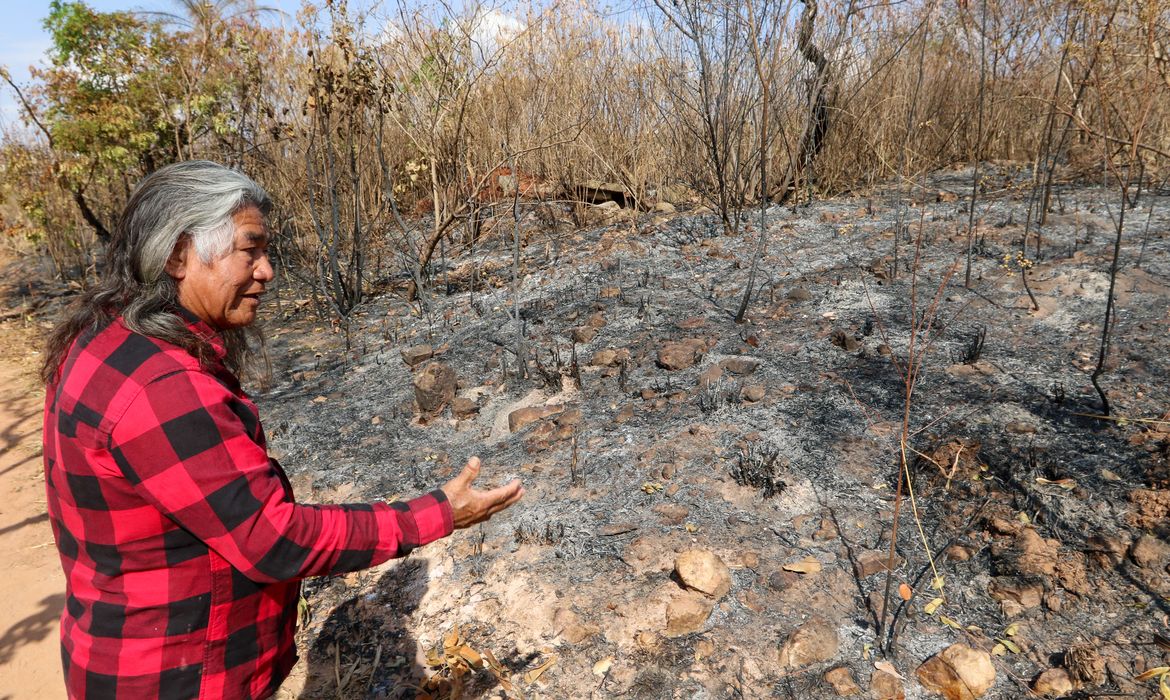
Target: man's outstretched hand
470, 506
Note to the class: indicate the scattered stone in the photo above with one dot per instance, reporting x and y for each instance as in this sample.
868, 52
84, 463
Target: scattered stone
827, 531
664, 208
871, 562
886, 686
740, 365
799, 294
958, 552
1020, 428
668, 471
583, 334
434, 388
671, 513
1003, 526
648, 394
1149, 552
885, 350
703, 571
463, 407
625, 414
680, 354
841, 680
1025, 596
567, 624
710, 375
523, 416
813, 643
595, 320
417, 354
958, 673
1053, 683
754, 392
1084, 665
609, 357
687, 613
1036, 556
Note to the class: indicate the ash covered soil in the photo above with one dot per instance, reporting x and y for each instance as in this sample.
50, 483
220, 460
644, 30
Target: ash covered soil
652, 432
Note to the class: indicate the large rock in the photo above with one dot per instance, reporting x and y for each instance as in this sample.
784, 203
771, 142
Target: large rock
740, 365
703, 571
813, 643
1149, 551
958, 673
680, 354
841, 680
687, 613
886, 686
609, 357
434, 388
523, 416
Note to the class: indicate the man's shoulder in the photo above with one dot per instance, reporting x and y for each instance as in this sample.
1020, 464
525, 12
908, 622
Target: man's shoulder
122, 352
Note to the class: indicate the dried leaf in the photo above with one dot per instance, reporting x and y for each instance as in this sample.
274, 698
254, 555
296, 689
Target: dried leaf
905, 592
1147, 675
1067, 484
933, 605
535, 673
808, 565
1011, 646
1012, 629
937, 583
1109, 475
1023, 518
865, 651
949, 622
1164, 687
999, 650
471, 656
451, 639
887, 667
691, 527
602, 667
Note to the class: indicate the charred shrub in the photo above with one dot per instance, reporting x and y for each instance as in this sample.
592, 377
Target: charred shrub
757, 466
717, 394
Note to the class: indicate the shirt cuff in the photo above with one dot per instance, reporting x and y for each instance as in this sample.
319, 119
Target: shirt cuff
416, 522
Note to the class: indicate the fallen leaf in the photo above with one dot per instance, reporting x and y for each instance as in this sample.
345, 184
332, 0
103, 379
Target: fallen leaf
933, 605
1109, 475
1164, 687
949, 622
1011, 646
1147, 675
1012, 629
887, 667
937, 583
1023, 518
808, 565
1067, 484
905, 591
999, 650
471, 656
535, 673
602, 667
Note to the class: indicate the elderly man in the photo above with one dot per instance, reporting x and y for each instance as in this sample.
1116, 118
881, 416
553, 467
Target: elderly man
180, 538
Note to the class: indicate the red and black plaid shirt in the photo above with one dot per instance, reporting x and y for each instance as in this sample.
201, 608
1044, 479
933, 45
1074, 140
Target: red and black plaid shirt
180, 539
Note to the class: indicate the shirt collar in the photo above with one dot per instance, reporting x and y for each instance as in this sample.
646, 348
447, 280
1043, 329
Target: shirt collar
203, 331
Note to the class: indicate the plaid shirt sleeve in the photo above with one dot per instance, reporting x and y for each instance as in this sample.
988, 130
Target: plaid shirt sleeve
193, 449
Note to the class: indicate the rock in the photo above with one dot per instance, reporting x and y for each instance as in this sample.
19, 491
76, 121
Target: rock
841, 680
846, 341
740, 365
754, 392
958, 673
1003, 526
523, 416
1053, 683
958, 552
609, 357
710, 375
1036, 555
687, 613
886, 686
1085, 665
671, 513
664, 208
567, 624
417, 354
595, 320
680, 354
813, 643
463, 407
799, 294
827, 531
871, 562
1020, 428
1149, 551
1105, 551
1024, 595
703, 571
648, 394
434, 388
583, 334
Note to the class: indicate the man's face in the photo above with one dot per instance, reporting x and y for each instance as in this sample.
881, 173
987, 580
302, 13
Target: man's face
226, 292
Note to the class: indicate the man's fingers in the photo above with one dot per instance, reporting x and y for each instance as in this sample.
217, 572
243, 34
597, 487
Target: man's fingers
470, 472
509, 492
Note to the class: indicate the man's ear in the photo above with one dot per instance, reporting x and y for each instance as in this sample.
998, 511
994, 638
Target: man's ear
176, 265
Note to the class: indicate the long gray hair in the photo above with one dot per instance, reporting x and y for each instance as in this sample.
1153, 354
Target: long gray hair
196, 199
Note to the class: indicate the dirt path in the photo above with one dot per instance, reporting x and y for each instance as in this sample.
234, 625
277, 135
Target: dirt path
31, 587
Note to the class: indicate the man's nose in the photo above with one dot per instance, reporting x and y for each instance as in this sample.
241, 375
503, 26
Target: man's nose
262, 272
